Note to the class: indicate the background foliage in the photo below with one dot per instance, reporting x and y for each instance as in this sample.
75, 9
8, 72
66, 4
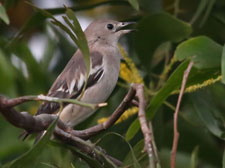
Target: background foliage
169, 34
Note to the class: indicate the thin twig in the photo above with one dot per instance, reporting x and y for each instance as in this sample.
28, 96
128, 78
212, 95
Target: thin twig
176, 133
23, 99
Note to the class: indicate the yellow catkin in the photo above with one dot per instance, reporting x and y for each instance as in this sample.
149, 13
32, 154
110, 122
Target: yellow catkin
167, 69
199, 86
102, 120
128, 70
204, 84
131, 111
130, 74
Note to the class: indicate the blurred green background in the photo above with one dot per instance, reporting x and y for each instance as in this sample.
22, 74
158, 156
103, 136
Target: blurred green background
169, 34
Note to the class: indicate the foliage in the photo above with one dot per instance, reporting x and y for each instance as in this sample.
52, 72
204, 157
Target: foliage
170, 34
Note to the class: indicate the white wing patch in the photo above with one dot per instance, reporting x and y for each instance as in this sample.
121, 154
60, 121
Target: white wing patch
80, 81
101, 75
61, 89
96, 70
71, 87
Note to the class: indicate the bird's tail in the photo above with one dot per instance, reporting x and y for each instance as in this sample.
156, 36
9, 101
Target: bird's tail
24, 135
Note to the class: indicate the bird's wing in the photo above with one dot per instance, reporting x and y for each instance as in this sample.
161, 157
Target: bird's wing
70, 82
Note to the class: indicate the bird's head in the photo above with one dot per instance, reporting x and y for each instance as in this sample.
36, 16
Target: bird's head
107, 31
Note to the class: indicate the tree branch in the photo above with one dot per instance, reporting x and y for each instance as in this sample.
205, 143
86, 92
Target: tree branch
62, 131
143, 121
147, 131
176, 133
85, 147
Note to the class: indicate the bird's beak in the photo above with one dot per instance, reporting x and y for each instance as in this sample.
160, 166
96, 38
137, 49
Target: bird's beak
124, 27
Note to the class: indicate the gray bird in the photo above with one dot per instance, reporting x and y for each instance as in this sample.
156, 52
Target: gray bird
102, 37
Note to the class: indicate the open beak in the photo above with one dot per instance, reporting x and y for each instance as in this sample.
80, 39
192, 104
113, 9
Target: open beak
124, 27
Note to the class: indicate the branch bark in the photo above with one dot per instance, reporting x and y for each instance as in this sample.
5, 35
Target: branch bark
152, 154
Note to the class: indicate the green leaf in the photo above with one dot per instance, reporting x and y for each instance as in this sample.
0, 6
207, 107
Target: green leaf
155, 29
223, 65
134, 4
194, 158
27, 159
82, 41
202, 50
209, 114
133, 129
3, 14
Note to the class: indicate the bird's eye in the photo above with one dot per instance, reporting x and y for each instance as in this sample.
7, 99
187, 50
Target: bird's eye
110, 26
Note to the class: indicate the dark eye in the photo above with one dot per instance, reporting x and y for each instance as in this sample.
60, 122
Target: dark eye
110, 26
